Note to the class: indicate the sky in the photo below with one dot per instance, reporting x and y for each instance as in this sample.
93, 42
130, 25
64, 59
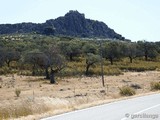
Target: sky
133, 19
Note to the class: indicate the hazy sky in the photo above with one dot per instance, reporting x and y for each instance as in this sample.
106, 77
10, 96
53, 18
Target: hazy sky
134, 19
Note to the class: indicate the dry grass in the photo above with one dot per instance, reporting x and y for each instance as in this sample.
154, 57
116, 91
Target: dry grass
22, 108
155, 85
38, 96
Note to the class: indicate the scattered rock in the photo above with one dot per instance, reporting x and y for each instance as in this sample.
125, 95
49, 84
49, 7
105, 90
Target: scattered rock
136, 86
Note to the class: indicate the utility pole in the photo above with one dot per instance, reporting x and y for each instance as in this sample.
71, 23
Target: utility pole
101, 58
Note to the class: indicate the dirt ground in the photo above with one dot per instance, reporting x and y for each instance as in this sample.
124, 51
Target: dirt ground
69, 93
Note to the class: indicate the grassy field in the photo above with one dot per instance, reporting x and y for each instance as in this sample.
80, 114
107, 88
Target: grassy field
76, 68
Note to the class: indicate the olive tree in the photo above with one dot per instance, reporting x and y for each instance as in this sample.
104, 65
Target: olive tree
2, 56
56, 62
91, 59
90, 47
50, 58
11, 55
111, 51
36, 58
131, 51
148, 49
70, 49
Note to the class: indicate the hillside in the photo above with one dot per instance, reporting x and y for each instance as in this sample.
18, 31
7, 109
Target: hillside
72, 24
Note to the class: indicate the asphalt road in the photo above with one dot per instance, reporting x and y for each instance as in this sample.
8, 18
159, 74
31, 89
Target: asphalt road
140, 108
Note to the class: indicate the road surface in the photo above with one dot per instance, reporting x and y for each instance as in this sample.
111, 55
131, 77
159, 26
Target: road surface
140, 108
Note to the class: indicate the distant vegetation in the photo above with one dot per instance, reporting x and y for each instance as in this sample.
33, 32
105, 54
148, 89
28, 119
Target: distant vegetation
33, 54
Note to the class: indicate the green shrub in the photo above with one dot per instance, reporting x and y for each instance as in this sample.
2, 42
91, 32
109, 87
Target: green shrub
155, 85
138, 68
127, 91
17, 92
4, 70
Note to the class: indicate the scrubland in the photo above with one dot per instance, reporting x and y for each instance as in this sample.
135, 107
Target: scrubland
38, 98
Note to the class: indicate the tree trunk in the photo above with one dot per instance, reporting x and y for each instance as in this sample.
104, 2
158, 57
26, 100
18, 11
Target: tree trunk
33, 72
131, 59
52, 78
47, 73
71, 57
8, 63
111, 60
87, 69
146, 57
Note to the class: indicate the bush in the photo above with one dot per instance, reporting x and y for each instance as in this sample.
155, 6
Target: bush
4, 71
155, 85
17, 92
127, 91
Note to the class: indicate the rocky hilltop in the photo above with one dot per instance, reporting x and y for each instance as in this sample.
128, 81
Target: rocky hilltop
72, 24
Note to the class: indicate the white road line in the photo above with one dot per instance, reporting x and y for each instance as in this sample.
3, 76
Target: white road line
125, 118
147, 109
